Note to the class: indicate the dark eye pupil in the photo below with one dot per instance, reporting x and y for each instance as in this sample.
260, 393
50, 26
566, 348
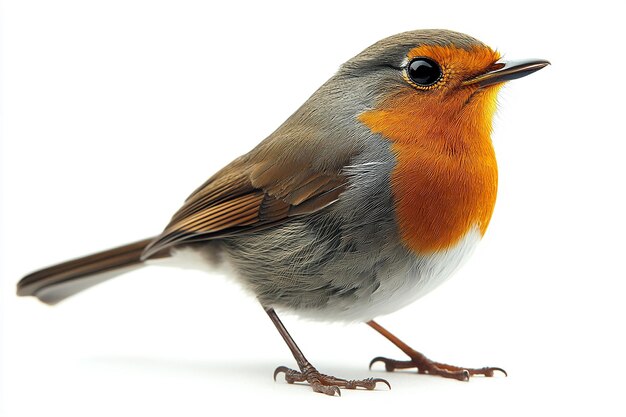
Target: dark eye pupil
424, 71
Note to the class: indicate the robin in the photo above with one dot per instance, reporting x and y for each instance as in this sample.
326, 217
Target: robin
366, 198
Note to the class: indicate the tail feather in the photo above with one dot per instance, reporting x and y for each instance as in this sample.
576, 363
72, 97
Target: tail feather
55, 283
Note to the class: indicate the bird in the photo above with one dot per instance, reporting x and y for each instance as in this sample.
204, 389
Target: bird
367, 197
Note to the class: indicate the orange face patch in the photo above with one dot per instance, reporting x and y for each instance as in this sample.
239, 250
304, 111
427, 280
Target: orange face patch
445, 179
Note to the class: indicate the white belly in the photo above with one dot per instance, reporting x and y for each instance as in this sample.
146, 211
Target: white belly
402, 287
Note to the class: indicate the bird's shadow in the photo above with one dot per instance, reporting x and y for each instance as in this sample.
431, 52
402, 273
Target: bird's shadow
262, 369
182, 366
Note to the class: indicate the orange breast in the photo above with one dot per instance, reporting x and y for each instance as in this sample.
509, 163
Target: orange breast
445, 180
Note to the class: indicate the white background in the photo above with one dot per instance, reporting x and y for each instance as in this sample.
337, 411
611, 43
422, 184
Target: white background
114, 111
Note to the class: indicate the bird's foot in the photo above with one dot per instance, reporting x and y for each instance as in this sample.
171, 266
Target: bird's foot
427, 366
326, 384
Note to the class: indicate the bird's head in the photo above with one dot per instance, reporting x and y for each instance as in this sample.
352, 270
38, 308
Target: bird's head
427, 84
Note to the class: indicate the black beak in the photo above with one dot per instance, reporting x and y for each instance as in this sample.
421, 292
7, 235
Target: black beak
506, 71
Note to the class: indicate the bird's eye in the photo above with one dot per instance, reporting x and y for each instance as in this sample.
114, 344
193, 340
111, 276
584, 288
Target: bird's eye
424, 71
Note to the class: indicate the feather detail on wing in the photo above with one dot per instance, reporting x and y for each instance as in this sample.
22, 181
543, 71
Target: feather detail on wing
248, 195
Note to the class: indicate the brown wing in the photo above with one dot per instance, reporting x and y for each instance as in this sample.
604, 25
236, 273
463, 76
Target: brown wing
265, 187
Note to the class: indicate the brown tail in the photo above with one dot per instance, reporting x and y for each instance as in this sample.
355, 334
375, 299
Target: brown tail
55, 283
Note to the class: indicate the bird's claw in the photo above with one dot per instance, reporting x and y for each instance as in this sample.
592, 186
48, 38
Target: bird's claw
426, 366
290, 374
389, 363
487, 371
326, 384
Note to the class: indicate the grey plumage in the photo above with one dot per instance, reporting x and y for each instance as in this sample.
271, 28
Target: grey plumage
314, 262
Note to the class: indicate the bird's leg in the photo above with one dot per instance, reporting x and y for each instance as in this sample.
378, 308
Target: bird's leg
325, 384
423, 364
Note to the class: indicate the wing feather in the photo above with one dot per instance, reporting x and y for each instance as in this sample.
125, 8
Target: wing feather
266, 187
